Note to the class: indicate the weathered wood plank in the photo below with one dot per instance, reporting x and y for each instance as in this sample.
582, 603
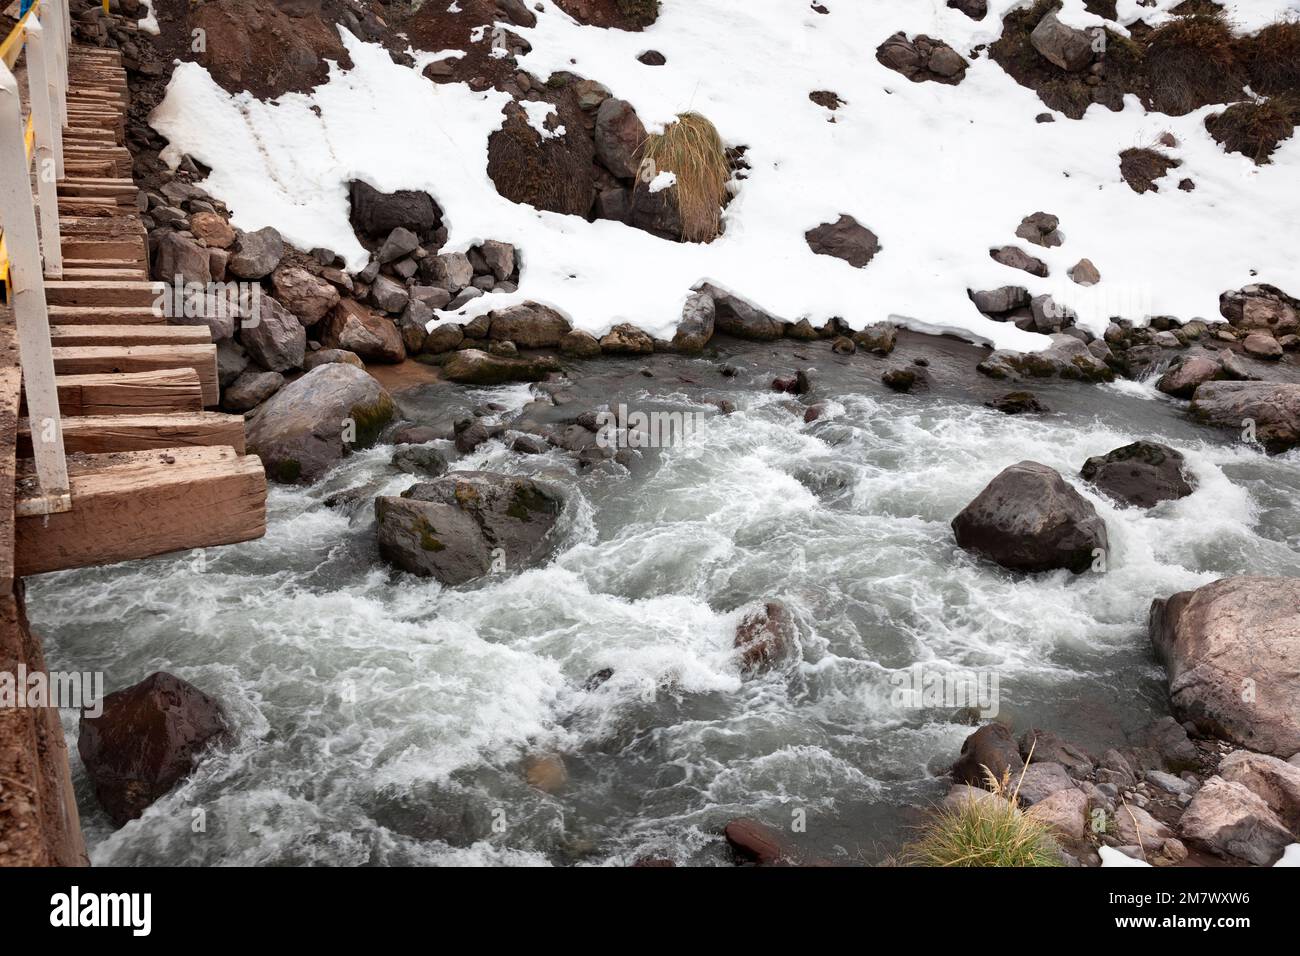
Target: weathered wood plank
98, 434
87, 359
105, 315
130, 393
71, 336
91, 292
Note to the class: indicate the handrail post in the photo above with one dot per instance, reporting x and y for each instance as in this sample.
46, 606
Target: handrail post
60, 24
31, 315
39, 81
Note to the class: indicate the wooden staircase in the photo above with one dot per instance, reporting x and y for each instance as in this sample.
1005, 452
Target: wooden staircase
150, 469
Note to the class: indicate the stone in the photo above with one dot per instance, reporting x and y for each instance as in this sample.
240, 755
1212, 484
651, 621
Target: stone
764, 637
846, 239
353, 327
1136, 826
1066, 812
181, 257
1067, 357
467, 524
626, 339
1274, 781
256, 254
1167, 739
1168, 782
412, 325
1272, 408
313, 422
401, 242
250, 390
619, 136
212, 229
1047, 747
274, 337
1183, 379
451, 271
960, 795
326, 356
546, 773
975, 9
232, 359
443, 337
695, 328
1212, 641
147, 739
1228, 819
590, 94
1041, 229
735, 316
1262, 346
419, 460
1017, 403
435, 297
499, 258
878, 338
476, 367
922, 58
307, 296
899, 379
1141, 474
529, 326
1062, 45
377, 214
759, 844
991, 749
389, 295
1000, 301
1040, 781
1029, 519
1084, 272
1016, 258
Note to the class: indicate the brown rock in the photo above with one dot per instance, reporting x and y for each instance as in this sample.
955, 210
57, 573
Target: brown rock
212, 229
374, 337
765, 637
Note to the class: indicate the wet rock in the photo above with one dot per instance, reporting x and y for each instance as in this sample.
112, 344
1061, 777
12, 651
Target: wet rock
147, 739
250, 390
307, 296
579, 344
313, 422
475, 367
1066, 358
467, 524
529, 445
1029, 519
1183, 379
899, 379
546, 772
991, 749
275, 339
765, 637
696, 326
256, 254
1212, 641
1017, 403
846, 239
619, 136
1230, 820
353, 327
735, 316
626, 339
1064, 46
1272, 408
1142, 474
419, 460
529, 326
757, 843
1040, 228
878, 338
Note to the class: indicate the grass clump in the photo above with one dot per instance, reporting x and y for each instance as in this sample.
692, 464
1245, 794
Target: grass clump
1191, 61
984, 832
1255, 129
1141, 166
640, 12
691, 149
1272, 58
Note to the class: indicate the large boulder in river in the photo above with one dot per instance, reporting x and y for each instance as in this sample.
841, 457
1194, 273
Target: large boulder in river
1232, 651
1142, 474
1183, 379
529, 326
696, 326
311, 423
146, 739
1270, 409
467, 524
764, 637
353, 327
476, 367
991, 747
1029, 519
734, 316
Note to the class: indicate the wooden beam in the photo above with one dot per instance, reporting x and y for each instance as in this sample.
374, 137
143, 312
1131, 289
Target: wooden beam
87, 359
68, 336
104, 315
131, 507
93, 292
98, 434
130, 393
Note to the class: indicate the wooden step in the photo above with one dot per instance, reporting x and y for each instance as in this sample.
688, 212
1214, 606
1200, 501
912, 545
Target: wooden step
98, 188
130, 393
129, 264
87, 359
130, 506
77, 273
118, 228
105, 315
68, 336
79, 292
96, 434
82, 251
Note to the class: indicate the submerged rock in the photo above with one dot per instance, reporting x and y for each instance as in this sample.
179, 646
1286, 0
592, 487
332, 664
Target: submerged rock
476, 367
1142, 474
764, 637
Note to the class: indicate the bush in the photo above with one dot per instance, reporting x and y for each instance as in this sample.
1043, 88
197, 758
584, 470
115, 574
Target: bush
984, 833
691, 149
640, 12
1272, 58
1255, 129
1142, 166
1191, 61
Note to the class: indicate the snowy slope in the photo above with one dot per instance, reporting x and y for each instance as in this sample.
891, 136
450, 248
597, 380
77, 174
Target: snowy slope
939, 173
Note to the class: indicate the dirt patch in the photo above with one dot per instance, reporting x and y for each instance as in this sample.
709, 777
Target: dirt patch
633, 15
1142, 166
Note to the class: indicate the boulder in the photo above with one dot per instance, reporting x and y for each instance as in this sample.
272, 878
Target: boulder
443, 338
878, 338
1065, 812
466, 524
1040, 781
1214, 642
389, 294
1227, 819
1029, 519
274, 337
1274, 781
256, 254
1067, 357
250, 390
846, 239
499, 257
1261, 345
232, 359
991, 747
1272, 407
476, 367
1000, 301
960, 795
579, 344
307, 296
1084, 272
619, 136
1142, 474
400, 242
626, 339
313, 422
419, 460
353, 327
181, 257
757, 843
1047, 747
1134, 826
922, 58
412, 325
1017, 403
451, 271
1183, 379
1040, 228
764, 637
734, 316
1064, 46
147, 738
529, 326
212, 229
376, 215
654, 211
696, 325
326, 356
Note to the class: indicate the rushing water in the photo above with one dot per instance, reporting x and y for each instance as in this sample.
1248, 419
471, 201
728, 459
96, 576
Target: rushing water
380, 718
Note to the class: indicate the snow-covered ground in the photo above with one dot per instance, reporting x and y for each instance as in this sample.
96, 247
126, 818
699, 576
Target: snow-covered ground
941, 174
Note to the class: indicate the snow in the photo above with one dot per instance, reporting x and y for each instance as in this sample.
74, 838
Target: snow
941, 174
538, 113
1290, 856
150, 22
662, 181
1112, 857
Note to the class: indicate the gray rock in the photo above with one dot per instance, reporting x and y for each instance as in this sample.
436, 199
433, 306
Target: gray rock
1273, 408
1040, 228
499, 257
400, 242
1142, 474
435, 297
735, 316
250, 390
419, 460
696, 325
311, 423
1065, 46
256, 254
846, 239
1230, 820
180, 256
1029, 519
443, 338
529, 326
1000, 301
389, 295
274, 338
1168, 782
413, 326
451, 271
619, 136
1040, 781
1017, 258
232, 359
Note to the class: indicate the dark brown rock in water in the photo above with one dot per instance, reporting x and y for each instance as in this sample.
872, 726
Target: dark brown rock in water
992, 747
1142, 474
899, 379
764, 637
1017, 403
754, 842
145, 741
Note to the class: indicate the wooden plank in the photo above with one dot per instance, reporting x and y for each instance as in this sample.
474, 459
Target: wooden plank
77, 292
83, 360
145, 506
79, 273
105, 315
11, 377
103, 249
97, 434
130, 393
129, 335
